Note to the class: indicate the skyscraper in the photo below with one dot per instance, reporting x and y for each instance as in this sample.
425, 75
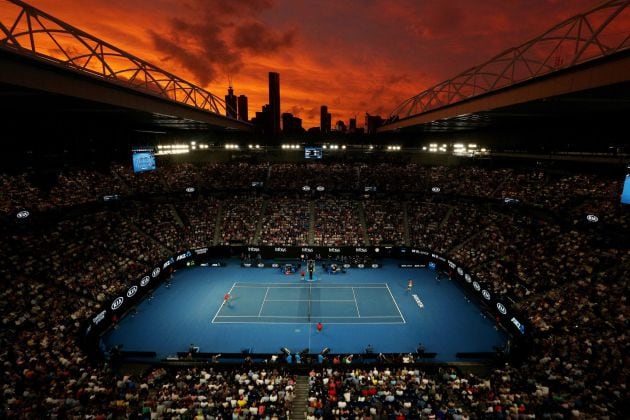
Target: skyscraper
291, 125
372, 122
324, 120
243, 114
230, 103
274, 101
353, 125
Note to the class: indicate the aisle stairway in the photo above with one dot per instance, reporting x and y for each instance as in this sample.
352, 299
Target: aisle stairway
300, 402
311, 223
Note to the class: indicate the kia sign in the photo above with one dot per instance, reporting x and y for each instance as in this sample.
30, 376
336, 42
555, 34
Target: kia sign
117, 302
132, 291
23, 214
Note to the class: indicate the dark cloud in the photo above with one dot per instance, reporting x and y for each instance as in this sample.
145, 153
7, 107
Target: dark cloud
203, 70
261, 39
234, 7
210, 44
313, 113
198, 48
398, 78
296, 110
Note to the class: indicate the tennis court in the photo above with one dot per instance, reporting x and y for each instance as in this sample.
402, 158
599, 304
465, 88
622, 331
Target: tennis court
366, 303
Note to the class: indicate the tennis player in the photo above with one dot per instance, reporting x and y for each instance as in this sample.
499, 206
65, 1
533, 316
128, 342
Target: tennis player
226, 299
409, 285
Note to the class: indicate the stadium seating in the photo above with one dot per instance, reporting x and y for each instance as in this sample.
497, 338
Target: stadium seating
569, 276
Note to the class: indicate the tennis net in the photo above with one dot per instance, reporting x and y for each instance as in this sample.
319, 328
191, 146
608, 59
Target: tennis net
310, 294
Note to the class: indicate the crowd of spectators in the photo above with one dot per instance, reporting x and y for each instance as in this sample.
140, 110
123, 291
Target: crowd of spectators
332, 176
199, 218
408, 392
240, 219
285, 221
337, 223
384, 221
570, 277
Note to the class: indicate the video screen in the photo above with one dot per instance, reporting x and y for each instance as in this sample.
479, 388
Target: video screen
625, 195
312, 152
143, 160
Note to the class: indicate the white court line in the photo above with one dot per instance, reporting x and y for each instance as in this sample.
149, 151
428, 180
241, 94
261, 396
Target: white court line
306, 287
223, 303
310, 300
239, 283
390, 293
355, 303
263, 302
306, 317
306, 322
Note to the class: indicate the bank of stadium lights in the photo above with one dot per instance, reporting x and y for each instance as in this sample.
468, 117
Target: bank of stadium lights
471, 149
172, 149
230, 146
393, 148
291, 146
254, 146
333, 146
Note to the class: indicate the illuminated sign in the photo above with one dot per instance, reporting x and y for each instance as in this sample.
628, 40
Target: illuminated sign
190, 189
436, 189
23, 214
592, 218
501, 308
485, 294
518, 325
132, 291
418, 301
98, 318
145, 280
476, 286
117, 302
155, 272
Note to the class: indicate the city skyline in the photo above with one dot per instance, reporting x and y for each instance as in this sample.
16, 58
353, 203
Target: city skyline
357, 57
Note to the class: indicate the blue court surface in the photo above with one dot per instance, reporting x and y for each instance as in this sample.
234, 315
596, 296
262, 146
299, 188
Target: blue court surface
269, 310
339, 303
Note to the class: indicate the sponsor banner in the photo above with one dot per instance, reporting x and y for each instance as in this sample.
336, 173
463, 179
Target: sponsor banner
117, 303
412, 265
261, 265
212, 264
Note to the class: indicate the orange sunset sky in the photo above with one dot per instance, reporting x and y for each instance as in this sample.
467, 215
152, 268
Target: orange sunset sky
355, 56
